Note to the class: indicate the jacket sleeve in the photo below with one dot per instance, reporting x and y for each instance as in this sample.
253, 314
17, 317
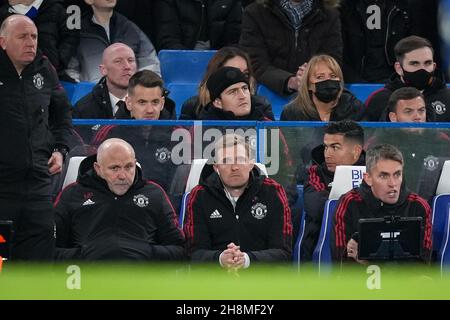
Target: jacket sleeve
60, 113
232, 30
169, 34
196, 230
64, 242
423, 210
279, 240
170, 238
253, 42
314, 203
342, 228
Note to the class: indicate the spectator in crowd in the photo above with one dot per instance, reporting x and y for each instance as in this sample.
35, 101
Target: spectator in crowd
197, 24
322, 96
112, 213
146, 101
225, 57
35, 128
282, 35
56, 41
102, 28
108, 95
370, 31
229, 93
236, 216
343, 143
382, 193
423, 149
415, 67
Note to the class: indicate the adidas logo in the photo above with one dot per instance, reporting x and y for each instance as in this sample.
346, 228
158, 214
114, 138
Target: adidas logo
216, 214
88, 202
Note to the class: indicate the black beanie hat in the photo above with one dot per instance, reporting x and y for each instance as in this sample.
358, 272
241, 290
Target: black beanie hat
222, 79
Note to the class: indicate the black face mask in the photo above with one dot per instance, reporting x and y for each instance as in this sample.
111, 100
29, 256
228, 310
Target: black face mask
419, 79
328, 90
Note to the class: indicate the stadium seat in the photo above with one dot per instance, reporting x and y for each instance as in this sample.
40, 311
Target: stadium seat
439, 206
345, 179
299, 205
184, 202
184, 66
81, 89
277, 101
72, 170
70, 89
322, 253
363, 90
180, 92
444, 250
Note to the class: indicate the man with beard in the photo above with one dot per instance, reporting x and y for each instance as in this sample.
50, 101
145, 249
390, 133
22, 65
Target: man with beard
415, 67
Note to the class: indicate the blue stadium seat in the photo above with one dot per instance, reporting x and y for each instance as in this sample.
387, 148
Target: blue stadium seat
363, 90
70, 88
277, 101
81, 89
184, 66
444, 250
322, 252
184, 202
298, 241
439, 215
180, 92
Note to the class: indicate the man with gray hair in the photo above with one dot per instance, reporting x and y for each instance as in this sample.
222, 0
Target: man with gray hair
35, 128
382, 193
112, 213
236, 215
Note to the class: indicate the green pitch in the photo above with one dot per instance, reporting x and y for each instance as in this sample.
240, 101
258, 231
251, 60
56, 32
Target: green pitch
179, 282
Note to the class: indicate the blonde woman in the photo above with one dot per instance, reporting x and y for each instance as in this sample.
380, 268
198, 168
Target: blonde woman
321, 95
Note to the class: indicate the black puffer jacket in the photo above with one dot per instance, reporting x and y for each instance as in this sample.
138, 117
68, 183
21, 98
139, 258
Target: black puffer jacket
348, 107
369, 54
35, 118
277, 50
92, 223
56, 41
437, 99
179, 23
260, 223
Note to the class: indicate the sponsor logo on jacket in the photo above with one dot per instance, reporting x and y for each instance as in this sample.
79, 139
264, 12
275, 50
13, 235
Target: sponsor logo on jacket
38, 81
140, 200
162, 155
259, 211
215, 215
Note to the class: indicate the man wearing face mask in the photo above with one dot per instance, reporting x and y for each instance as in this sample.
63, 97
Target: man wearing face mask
415, 67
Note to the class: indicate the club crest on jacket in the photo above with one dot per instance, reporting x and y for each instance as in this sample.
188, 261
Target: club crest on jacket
140, 200
259, 211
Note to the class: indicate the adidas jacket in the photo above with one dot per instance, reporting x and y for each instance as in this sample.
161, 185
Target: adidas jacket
260, 224
93, 223
360, 203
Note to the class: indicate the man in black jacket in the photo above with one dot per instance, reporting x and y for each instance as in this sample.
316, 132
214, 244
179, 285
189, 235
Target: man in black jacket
112, 213
342, 145
108, 95
146, 100
382, 193
235, 216
34, 131
415, 67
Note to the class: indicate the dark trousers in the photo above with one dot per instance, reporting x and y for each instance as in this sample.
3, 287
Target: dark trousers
33, 226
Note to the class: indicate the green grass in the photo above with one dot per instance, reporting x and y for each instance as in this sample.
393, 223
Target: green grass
178, 282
